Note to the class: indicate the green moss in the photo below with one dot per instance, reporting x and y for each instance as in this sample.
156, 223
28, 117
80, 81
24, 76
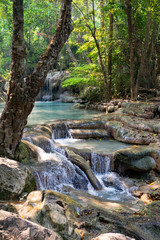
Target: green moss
30, 184
24, 153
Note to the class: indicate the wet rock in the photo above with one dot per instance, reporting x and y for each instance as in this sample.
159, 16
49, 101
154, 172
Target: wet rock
156, 154
83, 124
112, 180
139, 109
112, 236
14, 179
136, 158
88, 133
9, 207
43, 142
85, 167
139, 123
16, 228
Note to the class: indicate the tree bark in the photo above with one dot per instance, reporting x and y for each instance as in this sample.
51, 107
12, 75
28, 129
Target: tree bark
22, 92
131, 46
143, 54
71, 54
110, 50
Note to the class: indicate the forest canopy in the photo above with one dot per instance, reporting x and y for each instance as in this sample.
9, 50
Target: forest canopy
113, 50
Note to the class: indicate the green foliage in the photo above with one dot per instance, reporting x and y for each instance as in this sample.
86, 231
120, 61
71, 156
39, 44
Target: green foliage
92, 94
83, 76
40, 22
88, 79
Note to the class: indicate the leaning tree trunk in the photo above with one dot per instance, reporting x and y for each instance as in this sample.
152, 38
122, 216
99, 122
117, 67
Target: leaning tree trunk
22, 91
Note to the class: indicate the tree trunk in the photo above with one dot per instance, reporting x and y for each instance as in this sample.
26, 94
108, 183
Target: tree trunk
131, 46
71, 54
143, 54
22, 92
158, 61
110, 50
102, 65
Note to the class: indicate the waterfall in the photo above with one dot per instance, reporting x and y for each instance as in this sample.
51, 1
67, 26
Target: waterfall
113, 187
99, 163
54, 171
61, 131
48, 87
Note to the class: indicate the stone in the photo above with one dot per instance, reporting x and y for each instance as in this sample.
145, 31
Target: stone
24, 153
16, 228
14, 179
123, 133
88, 133
43, 142
135, 158
85, 167
110, 109
112, 236
52, 210
112, 180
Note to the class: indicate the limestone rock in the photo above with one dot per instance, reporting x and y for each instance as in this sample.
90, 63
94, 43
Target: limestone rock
16, 228
14, 179
52, 210
136, 158
112, 236
43, 142
24, 153
112, 180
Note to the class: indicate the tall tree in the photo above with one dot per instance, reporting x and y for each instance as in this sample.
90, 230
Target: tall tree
22, 91
142, 34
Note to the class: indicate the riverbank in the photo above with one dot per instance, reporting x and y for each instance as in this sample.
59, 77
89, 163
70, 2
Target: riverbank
75, 214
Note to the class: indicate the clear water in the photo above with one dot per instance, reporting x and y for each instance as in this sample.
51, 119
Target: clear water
46, 111
105, 146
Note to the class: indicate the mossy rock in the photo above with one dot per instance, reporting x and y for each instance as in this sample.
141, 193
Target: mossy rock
25, 153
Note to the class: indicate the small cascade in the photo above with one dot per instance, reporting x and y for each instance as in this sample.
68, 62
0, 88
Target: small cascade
48, 87
61, 131
68, 131
54, 171
113, 187
100, 164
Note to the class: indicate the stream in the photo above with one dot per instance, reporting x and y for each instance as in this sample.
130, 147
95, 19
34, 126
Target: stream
57, 173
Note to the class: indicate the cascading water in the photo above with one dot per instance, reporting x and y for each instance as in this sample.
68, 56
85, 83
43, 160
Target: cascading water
113, 186
48, 86
100, 164
54, 171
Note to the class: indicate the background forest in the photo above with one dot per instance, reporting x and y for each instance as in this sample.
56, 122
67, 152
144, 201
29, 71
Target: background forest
113, 51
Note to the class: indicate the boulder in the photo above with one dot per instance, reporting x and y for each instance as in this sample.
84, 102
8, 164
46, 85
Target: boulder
14, 179
52, 210
135, 158
112, 180
25, 153
112, 236
43, 142
16, 228
110, 108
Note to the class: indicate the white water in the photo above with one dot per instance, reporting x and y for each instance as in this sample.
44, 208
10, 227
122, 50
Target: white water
54, 171
57, 173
